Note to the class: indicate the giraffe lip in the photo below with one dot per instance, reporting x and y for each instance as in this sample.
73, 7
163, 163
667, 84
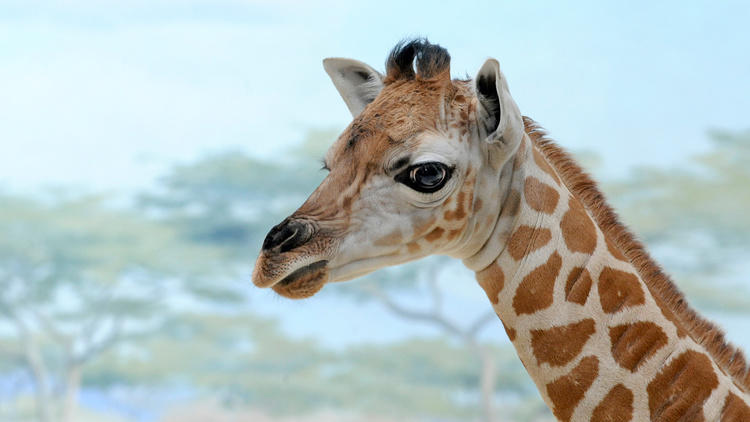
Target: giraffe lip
301, 272
303, 282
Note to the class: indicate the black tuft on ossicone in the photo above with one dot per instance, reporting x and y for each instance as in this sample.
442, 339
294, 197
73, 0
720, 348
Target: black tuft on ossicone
431, 60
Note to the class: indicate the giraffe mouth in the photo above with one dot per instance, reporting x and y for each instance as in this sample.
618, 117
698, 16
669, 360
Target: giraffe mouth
303, 282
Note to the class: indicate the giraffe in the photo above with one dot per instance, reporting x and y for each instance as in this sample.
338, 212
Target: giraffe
434, 165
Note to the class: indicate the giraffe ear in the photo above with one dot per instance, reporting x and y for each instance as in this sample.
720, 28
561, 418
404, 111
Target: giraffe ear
357, 82
498, 114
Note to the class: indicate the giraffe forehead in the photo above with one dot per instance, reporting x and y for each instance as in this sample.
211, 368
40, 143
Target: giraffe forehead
401, 111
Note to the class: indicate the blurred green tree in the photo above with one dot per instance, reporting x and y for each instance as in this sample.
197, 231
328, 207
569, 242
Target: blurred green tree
695, 218
231, 200
246, 361
79, 276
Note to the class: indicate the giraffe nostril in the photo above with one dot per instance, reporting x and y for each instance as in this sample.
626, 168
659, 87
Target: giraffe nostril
288, 235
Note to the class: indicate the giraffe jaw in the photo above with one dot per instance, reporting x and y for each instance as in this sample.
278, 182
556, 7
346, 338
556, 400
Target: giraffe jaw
308, 279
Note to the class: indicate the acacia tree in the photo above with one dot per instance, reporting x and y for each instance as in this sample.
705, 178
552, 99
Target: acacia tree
78, 277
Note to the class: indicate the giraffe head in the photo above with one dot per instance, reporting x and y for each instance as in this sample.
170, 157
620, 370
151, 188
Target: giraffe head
416, 173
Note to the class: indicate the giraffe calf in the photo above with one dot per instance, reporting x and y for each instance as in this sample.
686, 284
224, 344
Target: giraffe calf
431, 165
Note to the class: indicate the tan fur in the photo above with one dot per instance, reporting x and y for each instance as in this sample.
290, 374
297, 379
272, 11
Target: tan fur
729, 358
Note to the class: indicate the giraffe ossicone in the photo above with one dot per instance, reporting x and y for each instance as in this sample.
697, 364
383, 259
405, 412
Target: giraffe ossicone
434, 165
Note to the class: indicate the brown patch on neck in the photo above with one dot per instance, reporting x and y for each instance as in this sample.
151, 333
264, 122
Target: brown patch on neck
634, 344
535, 291
567, 391
735, 409
492, 280
728, 357
559, 345
680, 390
527, 239
618, 290
616, 406
540, 196
578, 285
578, 231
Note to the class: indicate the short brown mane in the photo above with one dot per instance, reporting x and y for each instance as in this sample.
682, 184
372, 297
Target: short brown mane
728, 357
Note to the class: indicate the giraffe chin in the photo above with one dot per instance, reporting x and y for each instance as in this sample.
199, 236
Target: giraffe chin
303, 282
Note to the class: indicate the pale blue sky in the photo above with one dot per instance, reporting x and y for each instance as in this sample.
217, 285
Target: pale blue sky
107, 95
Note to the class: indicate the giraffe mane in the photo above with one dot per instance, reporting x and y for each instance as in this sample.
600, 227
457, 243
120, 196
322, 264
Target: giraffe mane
727, 356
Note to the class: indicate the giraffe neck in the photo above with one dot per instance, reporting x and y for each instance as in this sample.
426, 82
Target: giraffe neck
595, 340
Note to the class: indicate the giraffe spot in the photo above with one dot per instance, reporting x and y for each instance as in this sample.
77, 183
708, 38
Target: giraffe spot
535, 291
735, 410
544, 166
435, 234
568, 390
578, 230
559, 345
478, 205
527, 239
413, 247
347, 203
578, 285
452, 234
492, 280
633, 344
619, 289
679, 390
393, 238
511, 332
519, 156
616, 406
540, 196
614, 251
512, 205
459, 212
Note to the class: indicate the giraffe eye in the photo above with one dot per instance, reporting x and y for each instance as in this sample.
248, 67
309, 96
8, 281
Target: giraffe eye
425, 177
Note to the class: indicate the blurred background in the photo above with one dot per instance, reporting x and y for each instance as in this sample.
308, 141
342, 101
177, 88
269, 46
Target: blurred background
147, 146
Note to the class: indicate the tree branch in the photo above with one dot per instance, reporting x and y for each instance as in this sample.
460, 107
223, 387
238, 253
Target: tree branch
480, 323
434, 318
95, 349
